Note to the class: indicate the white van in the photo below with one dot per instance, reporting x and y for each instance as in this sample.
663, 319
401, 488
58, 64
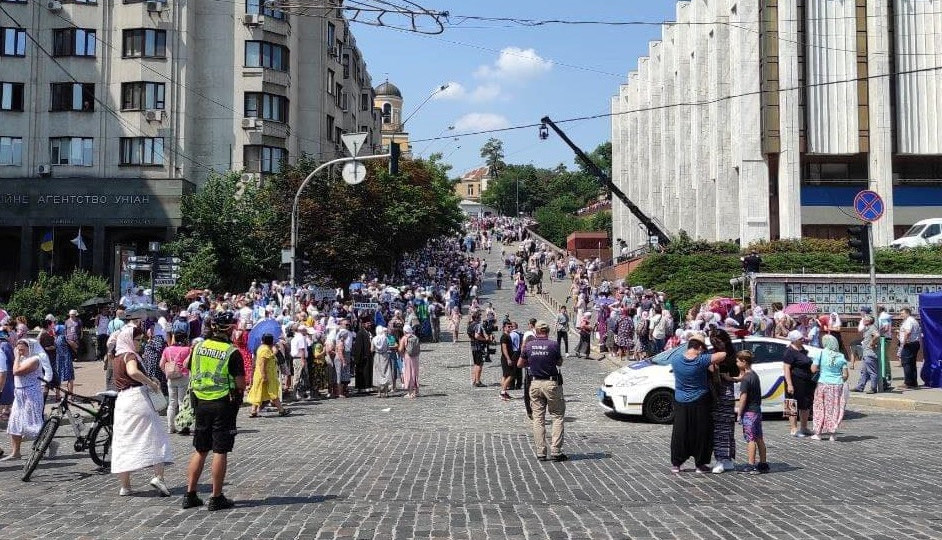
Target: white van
925, 232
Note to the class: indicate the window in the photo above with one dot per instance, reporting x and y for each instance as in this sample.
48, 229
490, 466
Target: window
11, 151
78, 151
136, 96
11, 96
142, 151
266, 55
470, 190
331, 34
14, 42
14, 1
932, 230
762, 351
73, 42
266, 106
331, 77
263, 159
84, 1
338, 92
338, 134
145, 43
260, 7
387, 113
364, 102
73, 97
330, 125
346, 65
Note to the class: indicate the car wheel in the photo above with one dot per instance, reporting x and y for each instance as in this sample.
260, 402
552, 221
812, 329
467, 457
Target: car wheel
659, 406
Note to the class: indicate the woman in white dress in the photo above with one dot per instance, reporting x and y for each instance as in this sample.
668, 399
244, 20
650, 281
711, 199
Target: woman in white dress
26, 414
139, 439
382, 368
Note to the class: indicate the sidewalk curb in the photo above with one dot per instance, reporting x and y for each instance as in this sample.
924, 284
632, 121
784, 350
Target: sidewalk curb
896, 404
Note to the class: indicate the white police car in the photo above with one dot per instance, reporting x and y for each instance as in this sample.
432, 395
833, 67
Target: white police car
647, 387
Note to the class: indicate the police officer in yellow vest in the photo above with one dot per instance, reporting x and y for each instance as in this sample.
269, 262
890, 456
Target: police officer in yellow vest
217, 385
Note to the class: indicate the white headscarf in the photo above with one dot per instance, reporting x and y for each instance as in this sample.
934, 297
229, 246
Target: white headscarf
125, 341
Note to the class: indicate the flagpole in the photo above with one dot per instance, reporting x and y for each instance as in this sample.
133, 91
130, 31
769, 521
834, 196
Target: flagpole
52, 254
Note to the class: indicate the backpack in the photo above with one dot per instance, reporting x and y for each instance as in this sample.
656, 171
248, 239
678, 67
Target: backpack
413, 348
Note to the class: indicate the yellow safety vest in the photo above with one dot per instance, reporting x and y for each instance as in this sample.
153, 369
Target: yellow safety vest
209, 371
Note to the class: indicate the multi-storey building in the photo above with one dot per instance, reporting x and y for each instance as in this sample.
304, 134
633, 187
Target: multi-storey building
762, 119
111, 110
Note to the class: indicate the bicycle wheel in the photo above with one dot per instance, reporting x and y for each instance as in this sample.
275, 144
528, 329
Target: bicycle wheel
45, 437
99, 445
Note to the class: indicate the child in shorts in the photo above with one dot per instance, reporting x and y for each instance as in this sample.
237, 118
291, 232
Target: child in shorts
750, 412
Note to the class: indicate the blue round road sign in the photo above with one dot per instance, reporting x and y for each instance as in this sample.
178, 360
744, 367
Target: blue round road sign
869, 205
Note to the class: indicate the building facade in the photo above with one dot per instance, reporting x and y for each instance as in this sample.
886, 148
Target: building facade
473, 183
762, 119
111, 110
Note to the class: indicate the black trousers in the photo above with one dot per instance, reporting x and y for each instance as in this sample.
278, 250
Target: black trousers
563, 337
692, 435
907, 358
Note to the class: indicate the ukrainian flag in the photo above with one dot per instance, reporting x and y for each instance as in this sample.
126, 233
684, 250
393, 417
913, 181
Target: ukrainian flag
47, 242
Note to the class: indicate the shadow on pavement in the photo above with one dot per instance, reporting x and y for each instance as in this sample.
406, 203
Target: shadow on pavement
284, 501
856, 438
854, 415
589, 456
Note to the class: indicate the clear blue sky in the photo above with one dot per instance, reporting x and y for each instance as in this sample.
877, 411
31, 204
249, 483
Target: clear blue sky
509, 75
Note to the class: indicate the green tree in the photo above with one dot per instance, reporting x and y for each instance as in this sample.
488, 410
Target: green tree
601, 156
493, 154
56, 295
232, 236
344, 230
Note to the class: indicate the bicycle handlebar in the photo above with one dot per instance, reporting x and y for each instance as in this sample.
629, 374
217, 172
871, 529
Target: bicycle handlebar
75, 396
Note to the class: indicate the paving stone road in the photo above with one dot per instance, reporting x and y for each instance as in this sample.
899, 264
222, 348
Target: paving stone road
458, 463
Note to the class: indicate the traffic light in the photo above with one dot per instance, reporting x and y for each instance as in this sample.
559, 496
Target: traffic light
859, 242
394, 152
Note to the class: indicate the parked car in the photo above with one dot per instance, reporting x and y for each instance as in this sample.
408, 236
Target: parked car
925, 232
646, 388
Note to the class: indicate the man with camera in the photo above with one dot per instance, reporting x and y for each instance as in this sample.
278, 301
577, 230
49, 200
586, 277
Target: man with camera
541, 356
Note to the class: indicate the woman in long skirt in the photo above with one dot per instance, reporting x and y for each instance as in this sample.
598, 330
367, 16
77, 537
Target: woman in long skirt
830, 397
26, 415
410, 365
520, 291
138, 440
724, 404
64, 359
383, 372
265, 385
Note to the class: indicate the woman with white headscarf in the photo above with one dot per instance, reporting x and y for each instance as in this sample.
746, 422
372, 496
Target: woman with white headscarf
409, 349
138, 441
382, 367
26, 414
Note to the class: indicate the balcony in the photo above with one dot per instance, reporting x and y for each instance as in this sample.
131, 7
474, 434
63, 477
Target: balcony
256, 77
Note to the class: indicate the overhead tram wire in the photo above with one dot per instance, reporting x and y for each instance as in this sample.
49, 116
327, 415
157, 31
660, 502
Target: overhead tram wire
686, 104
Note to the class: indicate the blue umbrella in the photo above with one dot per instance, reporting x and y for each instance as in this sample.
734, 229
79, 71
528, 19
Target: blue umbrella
266, 326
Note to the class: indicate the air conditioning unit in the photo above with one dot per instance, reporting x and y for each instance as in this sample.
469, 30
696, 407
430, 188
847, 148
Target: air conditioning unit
251, 178
253, 19
54, 6
44, 170
155, 6
153, 115
251, 123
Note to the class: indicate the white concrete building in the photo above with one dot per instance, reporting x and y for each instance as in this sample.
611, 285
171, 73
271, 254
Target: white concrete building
114, 101
761, 119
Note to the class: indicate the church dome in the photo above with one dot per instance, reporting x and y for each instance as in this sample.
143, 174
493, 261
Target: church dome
388, 89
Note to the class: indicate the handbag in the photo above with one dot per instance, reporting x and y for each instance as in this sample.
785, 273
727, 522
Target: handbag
790, 408
184, 418
158, 400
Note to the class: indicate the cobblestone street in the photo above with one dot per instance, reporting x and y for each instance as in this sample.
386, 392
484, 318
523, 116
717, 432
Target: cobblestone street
458, 463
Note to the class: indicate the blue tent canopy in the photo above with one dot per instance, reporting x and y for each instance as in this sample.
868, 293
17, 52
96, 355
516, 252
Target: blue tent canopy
930, 316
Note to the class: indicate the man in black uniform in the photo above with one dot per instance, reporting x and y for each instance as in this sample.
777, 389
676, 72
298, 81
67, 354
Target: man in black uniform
217, 385
541, 356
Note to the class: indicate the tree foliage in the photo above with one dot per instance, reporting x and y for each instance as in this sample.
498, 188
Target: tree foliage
56, 295
493, 154
231, 235
345, 230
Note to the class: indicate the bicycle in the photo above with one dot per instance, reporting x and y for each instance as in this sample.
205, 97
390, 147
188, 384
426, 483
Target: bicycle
97, 440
